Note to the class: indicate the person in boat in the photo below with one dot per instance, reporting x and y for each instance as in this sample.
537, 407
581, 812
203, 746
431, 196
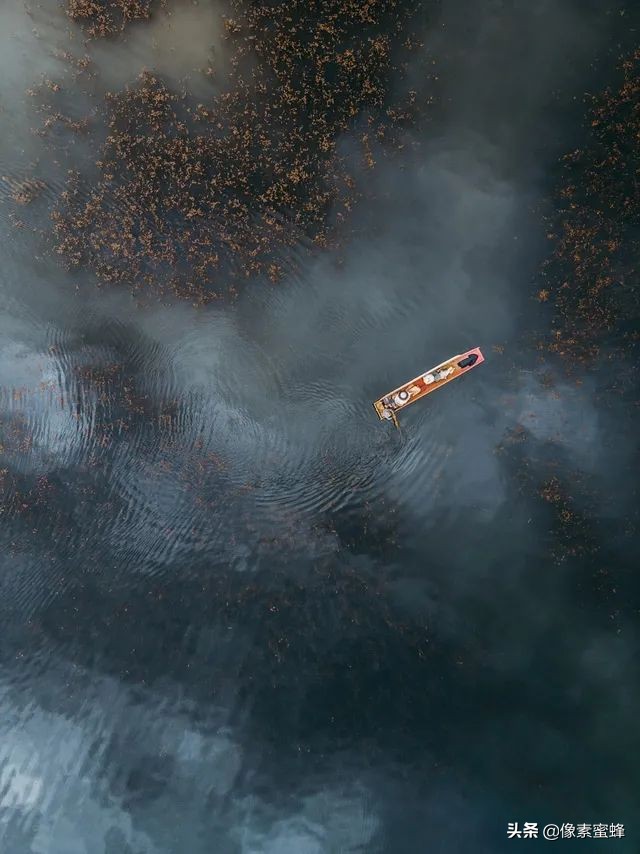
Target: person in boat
389, 407
439, 375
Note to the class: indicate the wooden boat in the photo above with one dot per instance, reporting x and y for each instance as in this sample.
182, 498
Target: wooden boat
421, 386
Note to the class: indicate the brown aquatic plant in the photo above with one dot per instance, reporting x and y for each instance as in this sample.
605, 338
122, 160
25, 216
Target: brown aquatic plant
106, 17
194, 198
592, 273
24, 192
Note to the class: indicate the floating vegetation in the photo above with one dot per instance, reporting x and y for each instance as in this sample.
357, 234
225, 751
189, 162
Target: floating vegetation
194, 198
106, 17
593, 271
575, 533
24, 192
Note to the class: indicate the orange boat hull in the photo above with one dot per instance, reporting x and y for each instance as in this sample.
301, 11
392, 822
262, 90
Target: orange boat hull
388, 406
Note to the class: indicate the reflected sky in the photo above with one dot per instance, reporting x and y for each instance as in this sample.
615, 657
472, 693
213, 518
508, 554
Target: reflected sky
239, 614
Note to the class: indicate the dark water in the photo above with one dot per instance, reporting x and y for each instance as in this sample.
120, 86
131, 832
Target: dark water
238, 614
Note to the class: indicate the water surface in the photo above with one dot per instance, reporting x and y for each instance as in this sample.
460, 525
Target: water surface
239, 614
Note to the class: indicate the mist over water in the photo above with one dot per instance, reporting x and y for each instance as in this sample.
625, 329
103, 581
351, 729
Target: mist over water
238, 613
